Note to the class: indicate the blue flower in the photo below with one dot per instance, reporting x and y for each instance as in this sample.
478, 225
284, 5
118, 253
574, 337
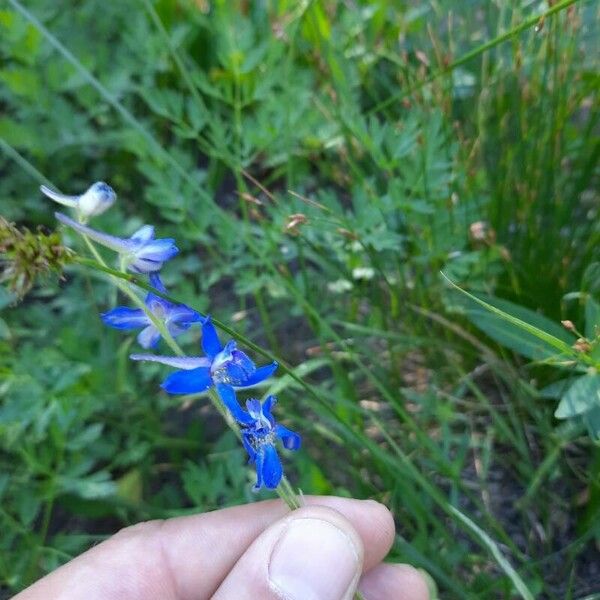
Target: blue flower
176, 317
260, 431
225, 368
94, 201
142, 253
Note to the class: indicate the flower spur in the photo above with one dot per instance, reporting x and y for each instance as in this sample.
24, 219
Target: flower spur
260, 432
176, 317
98, 198
223, 367
141, 253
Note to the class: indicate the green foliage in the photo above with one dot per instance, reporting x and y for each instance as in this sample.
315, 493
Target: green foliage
204, 117
538, 338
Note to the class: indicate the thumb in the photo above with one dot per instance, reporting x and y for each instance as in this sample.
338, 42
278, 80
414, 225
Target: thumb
312, 554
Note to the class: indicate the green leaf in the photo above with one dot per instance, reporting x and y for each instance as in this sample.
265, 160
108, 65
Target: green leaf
592, 318
491, 545
581, 397
130, 486
92, 487
592, 422
557, 389
518, 328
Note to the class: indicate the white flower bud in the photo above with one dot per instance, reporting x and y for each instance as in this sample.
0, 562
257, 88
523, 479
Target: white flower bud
98, 198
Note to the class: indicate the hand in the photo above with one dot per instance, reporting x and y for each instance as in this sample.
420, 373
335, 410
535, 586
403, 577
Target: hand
260, 551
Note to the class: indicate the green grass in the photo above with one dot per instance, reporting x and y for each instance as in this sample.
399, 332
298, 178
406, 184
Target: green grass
393, 129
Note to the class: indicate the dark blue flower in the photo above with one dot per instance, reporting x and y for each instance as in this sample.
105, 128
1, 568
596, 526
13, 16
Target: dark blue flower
141, 253
225, 368
176, 317
98, 198
260, 432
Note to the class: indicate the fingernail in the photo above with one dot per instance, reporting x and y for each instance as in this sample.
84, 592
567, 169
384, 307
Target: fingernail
314, 560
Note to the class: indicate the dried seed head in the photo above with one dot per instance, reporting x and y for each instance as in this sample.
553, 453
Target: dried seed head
349, 235
481, 233
250, 198
25, 256
582, 345
293, 222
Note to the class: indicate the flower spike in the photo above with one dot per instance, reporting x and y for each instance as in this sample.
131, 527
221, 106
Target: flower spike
141, 252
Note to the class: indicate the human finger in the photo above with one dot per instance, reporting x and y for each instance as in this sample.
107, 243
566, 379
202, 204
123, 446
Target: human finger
186, 558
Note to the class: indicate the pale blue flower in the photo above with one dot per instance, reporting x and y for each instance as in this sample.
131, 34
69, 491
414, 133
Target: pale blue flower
141, 253
176, 317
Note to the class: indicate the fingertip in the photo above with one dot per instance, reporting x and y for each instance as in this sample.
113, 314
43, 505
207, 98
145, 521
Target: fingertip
394, 582
383, 521
312, 552
373, 521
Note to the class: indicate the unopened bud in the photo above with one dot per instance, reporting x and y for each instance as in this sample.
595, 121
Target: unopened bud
568, 325
293, 222
98, 198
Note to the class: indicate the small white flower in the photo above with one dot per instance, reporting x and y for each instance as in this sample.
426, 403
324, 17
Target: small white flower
94, 201
339, 286
363, 273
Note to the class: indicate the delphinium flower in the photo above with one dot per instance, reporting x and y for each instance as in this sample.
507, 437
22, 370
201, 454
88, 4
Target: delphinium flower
222, 370
98, 198
260, 433
141, 253
224, 367
176, 317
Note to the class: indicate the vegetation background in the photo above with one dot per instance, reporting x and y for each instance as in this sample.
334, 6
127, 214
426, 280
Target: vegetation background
319, 163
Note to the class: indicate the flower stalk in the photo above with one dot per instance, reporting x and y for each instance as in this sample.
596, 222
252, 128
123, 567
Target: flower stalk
126, 283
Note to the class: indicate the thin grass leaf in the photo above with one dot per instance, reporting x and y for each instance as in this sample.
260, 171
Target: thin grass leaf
552, 341
489, 543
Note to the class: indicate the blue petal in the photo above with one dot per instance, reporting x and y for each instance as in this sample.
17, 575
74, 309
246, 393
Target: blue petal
156, 283
158, 305
289, 439
143, 266
227, 395
110, 241
183, 315
248, 446
148, 337
260, 374
210, 340
188, 382
259, 462
123, 317
187, 363
144, 234
158, 250
272, 471
267, 409
175, 329
239, 367
254, 408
